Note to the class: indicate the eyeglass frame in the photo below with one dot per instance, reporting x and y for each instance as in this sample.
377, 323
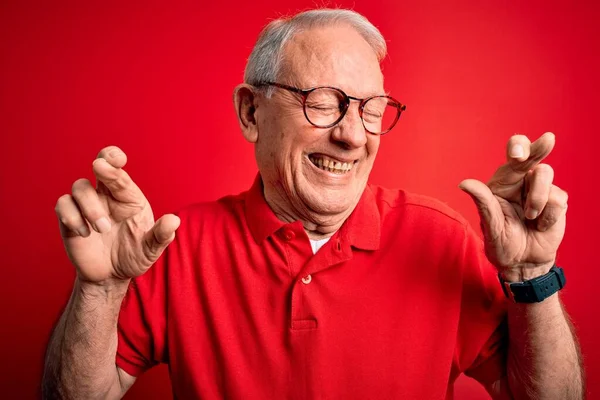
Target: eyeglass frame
305, 92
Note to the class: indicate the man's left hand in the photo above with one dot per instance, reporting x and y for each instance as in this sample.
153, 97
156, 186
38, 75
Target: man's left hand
522, 213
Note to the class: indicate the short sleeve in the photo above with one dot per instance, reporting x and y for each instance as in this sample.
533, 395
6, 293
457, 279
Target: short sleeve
482, 334
142, 321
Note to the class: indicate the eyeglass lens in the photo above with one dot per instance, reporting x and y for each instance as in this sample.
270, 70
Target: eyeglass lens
324, 107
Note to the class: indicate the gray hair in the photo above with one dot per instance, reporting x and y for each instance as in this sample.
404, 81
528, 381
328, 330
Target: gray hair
264, 63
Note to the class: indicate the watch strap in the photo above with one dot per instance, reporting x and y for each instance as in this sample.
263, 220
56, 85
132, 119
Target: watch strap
536, 289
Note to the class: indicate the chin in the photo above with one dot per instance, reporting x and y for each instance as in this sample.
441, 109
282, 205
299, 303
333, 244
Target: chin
330, 201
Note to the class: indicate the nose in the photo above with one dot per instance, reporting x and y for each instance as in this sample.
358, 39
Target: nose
350, 131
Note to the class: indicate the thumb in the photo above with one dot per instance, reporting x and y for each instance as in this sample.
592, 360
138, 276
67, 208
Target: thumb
160, 236
490, 211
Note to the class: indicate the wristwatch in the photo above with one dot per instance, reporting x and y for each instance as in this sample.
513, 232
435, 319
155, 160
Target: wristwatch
536, 289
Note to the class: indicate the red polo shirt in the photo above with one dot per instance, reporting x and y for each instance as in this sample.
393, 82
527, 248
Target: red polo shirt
397, 304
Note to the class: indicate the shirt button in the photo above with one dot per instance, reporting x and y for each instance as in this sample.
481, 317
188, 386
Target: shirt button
289, 235
306, 280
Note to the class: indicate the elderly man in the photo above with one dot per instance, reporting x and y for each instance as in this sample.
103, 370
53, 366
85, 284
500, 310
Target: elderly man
314, 284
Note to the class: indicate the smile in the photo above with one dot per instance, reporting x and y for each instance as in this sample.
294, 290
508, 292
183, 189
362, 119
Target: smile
328, 164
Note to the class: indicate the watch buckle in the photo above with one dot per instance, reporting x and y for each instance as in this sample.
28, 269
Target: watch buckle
507, 291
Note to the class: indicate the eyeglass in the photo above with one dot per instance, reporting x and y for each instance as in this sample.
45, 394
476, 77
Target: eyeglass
325, 106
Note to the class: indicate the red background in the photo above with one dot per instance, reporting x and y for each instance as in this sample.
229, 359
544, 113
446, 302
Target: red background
157, 79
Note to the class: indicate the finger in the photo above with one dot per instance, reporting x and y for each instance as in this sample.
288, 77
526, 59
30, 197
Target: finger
490, 211
537, 150
70, 220
118, 182
518, 148
539, 183
516, 168
90, 205
160, 236
114, 156
555, 208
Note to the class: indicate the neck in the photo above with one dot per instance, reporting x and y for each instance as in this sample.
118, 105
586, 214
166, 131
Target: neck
317, 225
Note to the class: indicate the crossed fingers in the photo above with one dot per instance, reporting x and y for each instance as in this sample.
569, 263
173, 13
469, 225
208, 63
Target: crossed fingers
525, 180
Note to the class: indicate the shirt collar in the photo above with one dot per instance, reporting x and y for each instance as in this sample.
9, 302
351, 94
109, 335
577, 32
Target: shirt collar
362, 229
262, 221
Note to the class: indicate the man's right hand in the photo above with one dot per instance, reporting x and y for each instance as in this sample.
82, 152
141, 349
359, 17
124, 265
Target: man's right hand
109, 231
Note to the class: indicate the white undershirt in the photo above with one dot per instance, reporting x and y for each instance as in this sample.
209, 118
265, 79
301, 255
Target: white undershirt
317, 244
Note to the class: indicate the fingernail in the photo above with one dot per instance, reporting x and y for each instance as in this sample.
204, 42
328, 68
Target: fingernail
516, 151
83, 231
114, 153
103, 225
531, 213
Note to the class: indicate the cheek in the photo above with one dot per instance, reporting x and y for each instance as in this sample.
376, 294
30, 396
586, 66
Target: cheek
273, 151
373, 146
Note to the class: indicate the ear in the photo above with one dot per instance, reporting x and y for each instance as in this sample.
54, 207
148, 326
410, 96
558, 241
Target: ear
245, 103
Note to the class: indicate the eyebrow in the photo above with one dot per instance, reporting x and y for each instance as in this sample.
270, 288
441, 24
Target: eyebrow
367, 94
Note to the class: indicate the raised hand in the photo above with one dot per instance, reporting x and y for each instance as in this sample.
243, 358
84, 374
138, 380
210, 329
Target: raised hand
109, 231
522, 213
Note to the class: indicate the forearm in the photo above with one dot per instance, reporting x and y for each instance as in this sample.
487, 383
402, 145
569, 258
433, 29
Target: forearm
80, 361
543, 358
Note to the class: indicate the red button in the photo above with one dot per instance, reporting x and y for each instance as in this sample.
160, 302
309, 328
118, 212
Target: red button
289, 234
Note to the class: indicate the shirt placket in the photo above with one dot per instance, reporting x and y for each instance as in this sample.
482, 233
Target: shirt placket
305, 269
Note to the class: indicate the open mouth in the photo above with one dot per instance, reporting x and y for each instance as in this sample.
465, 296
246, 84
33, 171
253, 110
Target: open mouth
330, 165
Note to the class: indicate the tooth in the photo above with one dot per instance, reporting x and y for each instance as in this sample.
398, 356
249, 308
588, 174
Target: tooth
320, 162
345, 166
338, 165
326, 163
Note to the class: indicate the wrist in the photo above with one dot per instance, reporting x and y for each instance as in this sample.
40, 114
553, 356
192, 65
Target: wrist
525, 272
110, 289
